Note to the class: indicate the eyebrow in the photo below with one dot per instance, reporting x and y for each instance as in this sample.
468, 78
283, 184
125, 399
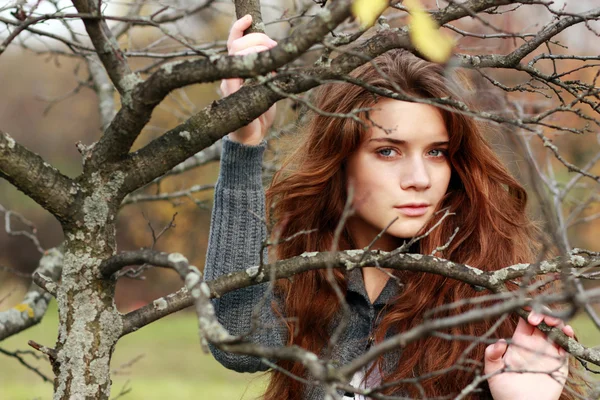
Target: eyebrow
401, 142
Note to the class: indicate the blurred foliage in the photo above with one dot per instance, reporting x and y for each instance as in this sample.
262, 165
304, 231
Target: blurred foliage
367, 11
425, 34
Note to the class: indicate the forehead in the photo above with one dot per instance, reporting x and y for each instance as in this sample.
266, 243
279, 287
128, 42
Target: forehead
406, 121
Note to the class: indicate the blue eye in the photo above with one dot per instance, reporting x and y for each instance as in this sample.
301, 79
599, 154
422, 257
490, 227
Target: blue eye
386, 153
438, 153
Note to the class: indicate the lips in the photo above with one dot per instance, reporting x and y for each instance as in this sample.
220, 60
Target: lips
413, 210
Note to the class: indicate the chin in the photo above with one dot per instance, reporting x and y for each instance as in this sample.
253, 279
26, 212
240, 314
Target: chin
407, 231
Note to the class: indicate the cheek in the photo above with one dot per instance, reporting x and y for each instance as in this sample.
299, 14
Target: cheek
371, 184
443, 181
361, 190
358, 177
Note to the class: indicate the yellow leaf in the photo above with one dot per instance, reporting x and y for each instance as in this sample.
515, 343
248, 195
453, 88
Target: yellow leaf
25, 307
425, 34
367, 11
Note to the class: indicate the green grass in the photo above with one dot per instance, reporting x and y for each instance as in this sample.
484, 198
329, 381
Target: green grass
172, 364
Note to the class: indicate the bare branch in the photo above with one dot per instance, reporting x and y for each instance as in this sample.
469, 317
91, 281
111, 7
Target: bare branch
252, 7
514, 58
158, 309
30, 235
129, 120
333, 46
201, 127
18, 355
174, 261
33, 307
107, 48
429, 326
48, 351
212, 331
493, 281
105, 91
139, 198
29, 173
123, 27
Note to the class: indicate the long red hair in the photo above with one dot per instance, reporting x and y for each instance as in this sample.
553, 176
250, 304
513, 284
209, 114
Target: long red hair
309, 193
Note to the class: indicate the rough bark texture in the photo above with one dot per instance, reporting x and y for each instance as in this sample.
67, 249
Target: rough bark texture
36, 178
81, 274
90, 324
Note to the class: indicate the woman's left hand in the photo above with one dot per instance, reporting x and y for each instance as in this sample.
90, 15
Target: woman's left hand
530, 350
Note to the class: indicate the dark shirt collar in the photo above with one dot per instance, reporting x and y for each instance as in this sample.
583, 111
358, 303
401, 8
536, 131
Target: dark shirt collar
356, 284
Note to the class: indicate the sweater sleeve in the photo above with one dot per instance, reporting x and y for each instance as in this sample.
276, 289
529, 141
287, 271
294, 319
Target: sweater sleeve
236, 235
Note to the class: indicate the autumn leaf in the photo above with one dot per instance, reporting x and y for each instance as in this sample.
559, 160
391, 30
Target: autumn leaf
425, 34
367, 11
25, 307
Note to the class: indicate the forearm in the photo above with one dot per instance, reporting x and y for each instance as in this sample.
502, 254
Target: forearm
236, 236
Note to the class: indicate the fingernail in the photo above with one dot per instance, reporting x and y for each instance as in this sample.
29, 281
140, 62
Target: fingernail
568, 330
535, 318
247, 16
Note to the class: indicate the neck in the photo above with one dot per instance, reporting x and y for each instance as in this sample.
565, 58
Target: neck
384, 243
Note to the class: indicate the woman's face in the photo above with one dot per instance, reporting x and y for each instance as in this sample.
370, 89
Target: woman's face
401, 173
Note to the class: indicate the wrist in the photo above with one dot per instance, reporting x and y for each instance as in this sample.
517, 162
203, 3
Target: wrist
253, 140
241, 165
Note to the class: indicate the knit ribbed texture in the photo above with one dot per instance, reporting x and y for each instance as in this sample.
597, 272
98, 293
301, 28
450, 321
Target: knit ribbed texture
235, 239
241, 168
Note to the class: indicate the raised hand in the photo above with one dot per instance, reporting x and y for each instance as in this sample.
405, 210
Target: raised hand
530, 350
240, 44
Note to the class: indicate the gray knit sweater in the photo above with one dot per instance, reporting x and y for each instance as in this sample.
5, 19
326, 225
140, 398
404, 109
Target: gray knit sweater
236, 235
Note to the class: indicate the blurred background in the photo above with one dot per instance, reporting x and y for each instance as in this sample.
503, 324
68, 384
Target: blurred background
47, 106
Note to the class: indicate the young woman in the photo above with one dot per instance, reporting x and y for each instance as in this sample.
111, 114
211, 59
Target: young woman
405, 162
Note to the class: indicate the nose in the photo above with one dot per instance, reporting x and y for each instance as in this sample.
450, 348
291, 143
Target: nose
415, 175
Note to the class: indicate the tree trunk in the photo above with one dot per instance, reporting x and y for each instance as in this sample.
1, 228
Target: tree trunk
89, 323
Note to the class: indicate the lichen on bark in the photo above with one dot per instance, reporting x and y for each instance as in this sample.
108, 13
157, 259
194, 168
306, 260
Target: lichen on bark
89, 323
96, 206
90, 326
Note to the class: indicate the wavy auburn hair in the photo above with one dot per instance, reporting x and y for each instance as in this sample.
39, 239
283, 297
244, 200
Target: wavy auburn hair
309, 193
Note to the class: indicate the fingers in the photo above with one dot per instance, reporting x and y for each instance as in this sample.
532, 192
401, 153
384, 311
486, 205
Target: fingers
569, 331
238, 28
250, 40
493, 356
525, 328
536, 318
253, 49
238, 41
229, 86
239, 44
